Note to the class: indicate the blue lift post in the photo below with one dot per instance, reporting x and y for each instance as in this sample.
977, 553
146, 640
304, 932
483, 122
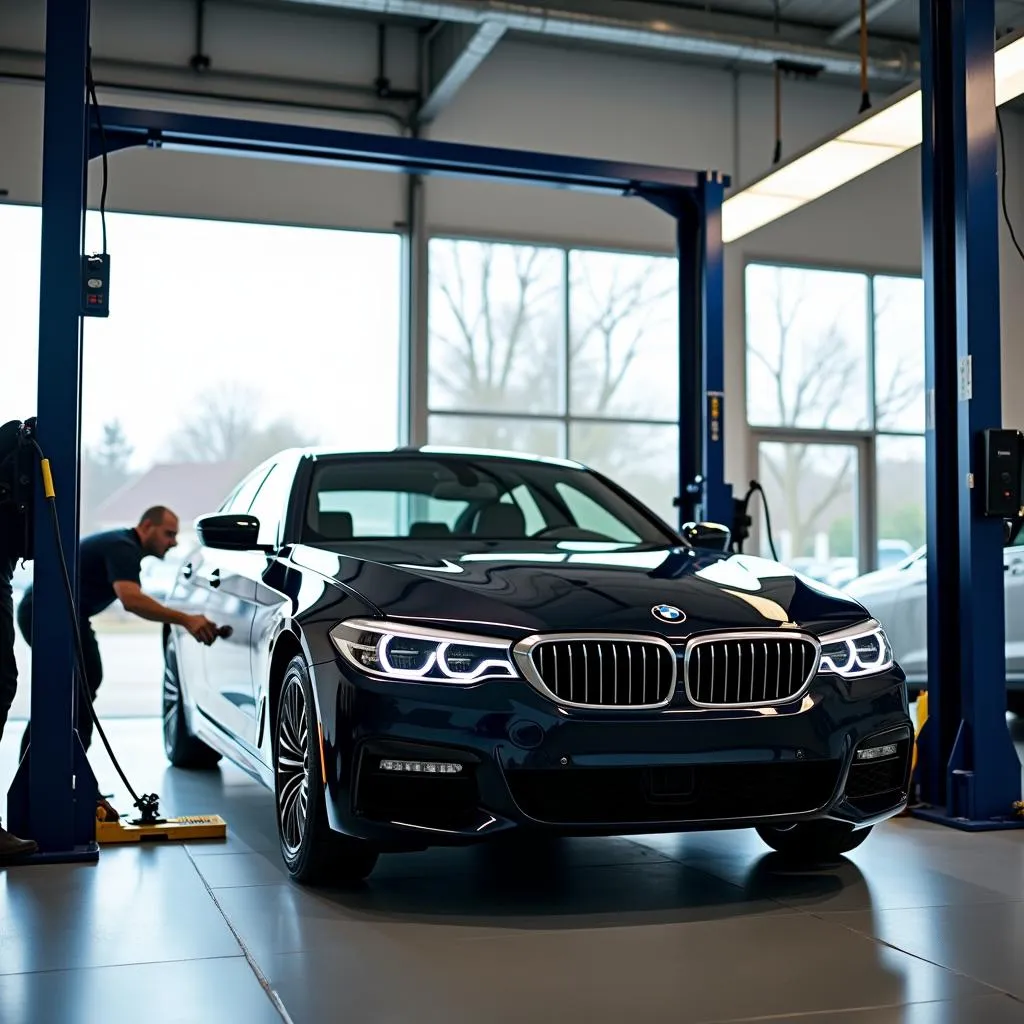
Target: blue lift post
970, 772
43, 804
53, 796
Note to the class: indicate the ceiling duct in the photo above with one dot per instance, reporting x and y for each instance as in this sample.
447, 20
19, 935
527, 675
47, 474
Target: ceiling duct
649, 35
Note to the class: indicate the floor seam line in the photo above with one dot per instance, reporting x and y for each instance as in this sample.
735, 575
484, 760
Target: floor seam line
923, 959
250, 959
118, 967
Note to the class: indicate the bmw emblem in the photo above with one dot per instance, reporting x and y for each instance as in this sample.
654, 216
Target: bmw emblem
668, 613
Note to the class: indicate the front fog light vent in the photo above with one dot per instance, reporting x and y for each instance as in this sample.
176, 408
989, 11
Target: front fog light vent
874, 753
421, 767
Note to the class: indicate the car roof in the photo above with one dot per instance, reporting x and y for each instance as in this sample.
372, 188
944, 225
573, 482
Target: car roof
497, 454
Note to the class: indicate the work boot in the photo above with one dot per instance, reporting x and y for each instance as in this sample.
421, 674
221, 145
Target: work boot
11, 847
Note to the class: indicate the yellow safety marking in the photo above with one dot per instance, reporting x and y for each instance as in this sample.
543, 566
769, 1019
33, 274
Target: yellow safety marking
183, 829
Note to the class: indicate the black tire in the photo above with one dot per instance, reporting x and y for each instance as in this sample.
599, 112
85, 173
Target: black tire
313, 853
1015, 702
183, 750
811, 842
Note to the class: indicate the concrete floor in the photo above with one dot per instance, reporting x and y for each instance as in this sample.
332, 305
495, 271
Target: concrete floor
922, 924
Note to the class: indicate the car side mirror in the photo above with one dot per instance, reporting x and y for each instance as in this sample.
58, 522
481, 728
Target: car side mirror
708, 536
1011, 530
229, 532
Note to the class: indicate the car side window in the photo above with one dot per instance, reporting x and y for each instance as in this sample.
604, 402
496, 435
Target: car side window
269, 502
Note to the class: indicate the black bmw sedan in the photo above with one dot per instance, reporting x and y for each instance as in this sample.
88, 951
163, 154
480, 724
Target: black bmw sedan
438, 647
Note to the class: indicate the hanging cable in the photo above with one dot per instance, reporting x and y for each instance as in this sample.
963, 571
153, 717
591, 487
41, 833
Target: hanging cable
865, 96
1002, 183
103, 143
148, 803
777, 156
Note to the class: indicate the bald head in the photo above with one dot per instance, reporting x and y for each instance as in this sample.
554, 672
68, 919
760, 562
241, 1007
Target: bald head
158, 530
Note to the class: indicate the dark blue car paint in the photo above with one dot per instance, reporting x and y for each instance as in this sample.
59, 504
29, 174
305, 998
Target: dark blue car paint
513, 590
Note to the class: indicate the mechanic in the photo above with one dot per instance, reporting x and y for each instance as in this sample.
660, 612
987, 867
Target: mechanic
109, 568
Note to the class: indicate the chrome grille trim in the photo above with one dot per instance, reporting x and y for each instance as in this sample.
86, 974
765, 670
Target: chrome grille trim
799, 652
538, 661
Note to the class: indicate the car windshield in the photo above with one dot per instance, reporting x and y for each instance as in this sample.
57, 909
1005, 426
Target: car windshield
435, 497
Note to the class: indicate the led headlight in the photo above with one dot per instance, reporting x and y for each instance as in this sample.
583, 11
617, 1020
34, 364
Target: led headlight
413, 653
860, 651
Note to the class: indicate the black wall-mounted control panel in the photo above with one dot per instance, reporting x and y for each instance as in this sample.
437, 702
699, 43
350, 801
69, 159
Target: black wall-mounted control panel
96, 285
1003, 454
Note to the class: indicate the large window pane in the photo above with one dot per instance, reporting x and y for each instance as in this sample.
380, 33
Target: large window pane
811, 490
807, 348
496, 327
642, 459
901, 497
527, 436
899, 353
623, 329
181, 398
19, 320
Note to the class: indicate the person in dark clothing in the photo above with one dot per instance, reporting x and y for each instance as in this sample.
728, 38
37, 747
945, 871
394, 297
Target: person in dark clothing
109, 566
11, 847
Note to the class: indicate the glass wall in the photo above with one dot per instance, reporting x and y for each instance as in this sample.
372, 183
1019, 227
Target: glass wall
836, 403
564, 352
226, 342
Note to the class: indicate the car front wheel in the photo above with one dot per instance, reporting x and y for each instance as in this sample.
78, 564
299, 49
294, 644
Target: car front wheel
813, 841
183, 749
312, 851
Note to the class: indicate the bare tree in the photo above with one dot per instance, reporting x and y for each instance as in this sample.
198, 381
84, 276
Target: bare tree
495, 341
809, 386
224, 429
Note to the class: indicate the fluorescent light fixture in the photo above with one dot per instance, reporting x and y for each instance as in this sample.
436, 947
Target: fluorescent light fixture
883, 133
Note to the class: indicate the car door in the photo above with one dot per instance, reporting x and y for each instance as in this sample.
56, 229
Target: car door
237, 592
1013, 588
221, 596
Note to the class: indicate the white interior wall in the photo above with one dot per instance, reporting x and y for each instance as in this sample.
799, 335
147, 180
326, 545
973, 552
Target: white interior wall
525, 95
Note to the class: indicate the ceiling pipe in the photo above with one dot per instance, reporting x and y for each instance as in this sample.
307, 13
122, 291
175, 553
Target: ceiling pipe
650, 35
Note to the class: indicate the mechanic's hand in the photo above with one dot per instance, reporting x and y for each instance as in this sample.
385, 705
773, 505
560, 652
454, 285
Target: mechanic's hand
202, 628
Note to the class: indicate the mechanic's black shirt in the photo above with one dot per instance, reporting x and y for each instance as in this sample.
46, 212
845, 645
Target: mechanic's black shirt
103, 560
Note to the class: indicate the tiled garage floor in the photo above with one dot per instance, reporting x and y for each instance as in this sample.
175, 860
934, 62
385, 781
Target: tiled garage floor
922, 924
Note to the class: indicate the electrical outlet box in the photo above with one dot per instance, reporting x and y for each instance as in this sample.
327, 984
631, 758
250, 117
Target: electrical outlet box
96, 285
1002, 457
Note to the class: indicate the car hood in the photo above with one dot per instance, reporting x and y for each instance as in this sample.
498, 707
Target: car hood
513, 591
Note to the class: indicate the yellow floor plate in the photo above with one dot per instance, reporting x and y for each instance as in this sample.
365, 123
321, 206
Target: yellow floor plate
200, 826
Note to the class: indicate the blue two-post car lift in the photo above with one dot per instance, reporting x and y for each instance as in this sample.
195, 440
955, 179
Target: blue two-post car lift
53, 798
970, 774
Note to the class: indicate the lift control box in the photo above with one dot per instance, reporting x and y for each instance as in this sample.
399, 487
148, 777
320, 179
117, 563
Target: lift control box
1003, 453
96, 285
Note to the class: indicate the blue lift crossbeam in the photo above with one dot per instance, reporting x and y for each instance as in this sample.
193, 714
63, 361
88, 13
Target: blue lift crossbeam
53, 796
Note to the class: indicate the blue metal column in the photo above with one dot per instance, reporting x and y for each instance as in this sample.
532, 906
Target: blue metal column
53, 797
983, 772
717, 506
704, 494
689, 252
942, 474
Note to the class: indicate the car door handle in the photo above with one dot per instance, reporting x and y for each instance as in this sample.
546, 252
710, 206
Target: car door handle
215, 578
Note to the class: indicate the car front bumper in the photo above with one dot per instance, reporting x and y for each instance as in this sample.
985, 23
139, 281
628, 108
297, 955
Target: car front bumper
526, 762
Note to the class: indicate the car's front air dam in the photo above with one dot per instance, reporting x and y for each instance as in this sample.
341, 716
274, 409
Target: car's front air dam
524, 761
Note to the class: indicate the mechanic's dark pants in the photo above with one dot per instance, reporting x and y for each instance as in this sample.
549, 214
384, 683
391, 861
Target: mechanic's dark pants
93, 671
8, 666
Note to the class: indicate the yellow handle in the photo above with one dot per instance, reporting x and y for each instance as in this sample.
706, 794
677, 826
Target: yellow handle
47, 479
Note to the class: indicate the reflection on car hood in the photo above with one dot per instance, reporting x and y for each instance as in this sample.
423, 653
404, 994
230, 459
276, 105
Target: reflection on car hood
510, 589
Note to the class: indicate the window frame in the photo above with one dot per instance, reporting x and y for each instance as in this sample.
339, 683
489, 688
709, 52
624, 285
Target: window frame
865, 440
564, 419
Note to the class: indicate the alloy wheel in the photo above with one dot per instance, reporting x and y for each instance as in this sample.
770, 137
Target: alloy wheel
292, 765
171, 700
